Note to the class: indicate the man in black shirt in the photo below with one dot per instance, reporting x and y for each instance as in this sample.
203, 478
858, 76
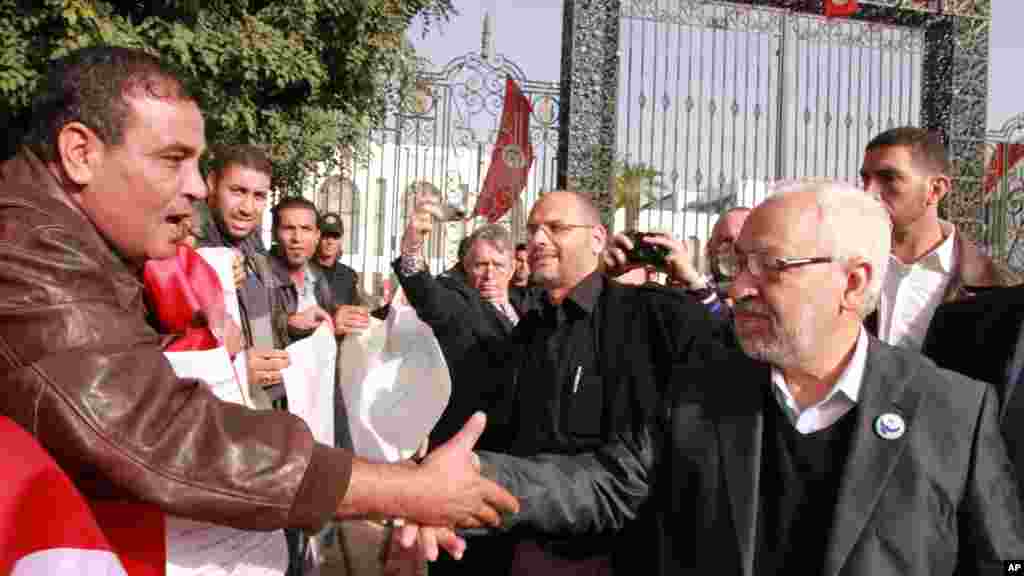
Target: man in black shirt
587, 365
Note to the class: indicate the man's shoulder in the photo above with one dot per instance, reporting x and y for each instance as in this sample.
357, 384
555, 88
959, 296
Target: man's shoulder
941, 387
979, 270
50, 235
991, 301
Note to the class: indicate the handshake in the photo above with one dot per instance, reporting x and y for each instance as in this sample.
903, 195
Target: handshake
445, 492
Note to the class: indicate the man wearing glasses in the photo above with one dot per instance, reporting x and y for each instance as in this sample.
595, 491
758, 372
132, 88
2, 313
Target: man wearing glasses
710, 290
820, 450
587, 364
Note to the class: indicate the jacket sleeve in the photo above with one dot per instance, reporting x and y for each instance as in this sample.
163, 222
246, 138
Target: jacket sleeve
439, 306
990, 517
84, 373
580, 494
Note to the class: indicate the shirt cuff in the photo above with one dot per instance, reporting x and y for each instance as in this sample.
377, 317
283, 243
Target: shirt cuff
410, 264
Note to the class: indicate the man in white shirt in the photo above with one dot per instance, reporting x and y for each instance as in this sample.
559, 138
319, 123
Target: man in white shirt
930, 263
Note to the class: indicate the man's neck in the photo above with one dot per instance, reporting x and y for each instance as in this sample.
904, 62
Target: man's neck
812, 382
558, 293
914, 242
298, 275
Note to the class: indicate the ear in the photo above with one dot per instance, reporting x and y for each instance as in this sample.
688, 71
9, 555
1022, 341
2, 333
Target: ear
858, 277
80, 152
211, 186
598, 239
938, 186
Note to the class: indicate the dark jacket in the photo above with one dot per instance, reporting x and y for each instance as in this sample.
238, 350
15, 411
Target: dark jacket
344, 283
973, 270
255, 295
940, 494
643, 331
983, 338
84, 373
285, 299
463, 323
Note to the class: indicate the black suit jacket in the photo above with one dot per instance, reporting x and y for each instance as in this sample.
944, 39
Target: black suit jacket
905, 506
464, 324
983, 338
342, 280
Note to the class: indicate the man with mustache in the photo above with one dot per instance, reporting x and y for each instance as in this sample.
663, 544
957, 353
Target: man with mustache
304, 299
100, 185
820, 450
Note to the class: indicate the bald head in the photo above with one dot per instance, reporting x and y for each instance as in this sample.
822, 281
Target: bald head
564, 240
581, 204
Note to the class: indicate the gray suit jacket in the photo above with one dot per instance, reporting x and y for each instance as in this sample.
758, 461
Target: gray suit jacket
940, 498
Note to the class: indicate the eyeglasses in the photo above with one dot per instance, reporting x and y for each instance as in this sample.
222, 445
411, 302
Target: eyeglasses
733, 263
552, 229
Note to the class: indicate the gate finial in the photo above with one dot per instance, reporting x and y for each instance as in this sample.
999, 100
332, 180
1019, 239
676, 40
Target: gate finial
487, 39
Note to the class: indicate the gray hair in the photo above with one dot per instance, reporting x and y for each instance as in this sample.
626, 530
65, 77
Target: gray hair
495, 234
853, 224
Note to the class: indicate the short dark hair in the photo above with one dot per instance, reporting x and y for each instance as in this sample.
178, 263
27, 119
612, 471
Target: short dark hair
520, 246
245, 155
291, 203
91, 86
926, 147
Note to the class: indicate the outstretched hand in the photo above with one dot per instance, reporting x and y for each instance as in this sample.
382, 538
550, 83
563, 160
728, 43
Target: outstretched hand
456, 493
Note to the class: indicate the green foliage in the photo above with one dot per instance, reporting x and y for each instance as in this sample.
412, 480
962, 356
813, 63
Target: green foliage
305, 77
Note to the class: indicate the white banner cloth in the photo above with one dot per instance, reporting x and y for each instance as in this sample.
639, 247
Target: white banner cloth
202, 549
309, 382
395, 385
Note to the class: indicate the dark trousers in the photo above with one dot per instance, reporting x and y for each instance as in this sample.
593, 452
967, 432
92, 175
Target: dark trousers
296, 551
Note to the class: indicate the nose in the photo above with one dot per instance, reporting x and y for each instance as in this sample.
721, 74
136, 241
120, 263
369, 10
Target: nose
248, 205
195, 188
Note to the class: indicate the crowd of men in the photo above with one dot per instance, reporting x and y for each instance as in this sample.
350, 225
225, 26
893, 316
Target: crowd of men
836, 394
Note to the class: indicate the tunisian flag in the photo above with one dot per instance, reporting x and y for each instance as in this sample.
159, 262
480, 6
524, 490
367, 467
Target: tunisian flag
1007, 156
840, 7
47, 527
511, 159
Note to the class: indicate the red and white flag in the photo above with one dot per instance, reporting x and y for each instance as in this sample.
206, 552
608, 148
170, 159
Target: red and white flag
1006, 156
511, 159
840, 8
48, 528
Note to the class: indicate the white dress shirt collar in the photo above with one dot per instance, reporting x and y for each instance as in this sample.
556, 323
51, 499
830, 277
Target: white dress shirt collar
840, 400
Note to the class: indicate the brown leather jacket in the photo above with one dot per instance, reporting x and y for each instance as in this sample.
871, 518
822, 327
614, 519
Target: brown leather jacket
83, 372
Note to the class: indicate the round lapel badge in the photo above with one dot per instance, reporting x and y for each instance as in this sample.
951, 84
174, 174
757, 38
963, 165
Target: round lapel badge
890, 426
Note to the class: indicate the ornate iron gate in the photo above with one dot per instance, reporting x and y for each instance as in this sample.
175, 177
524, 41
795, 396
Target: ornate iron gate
947, 51
720, 99
442, 141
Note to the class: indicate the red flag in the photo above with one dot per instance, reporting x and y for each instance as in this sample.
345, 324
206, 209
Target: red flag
186, 299
840, 7
511, 159
48, 528
1005, 158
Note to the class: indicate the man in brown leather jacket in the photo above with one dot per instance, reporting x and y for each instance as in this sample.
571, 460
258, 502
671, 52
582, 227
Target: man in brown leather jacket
105, 176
